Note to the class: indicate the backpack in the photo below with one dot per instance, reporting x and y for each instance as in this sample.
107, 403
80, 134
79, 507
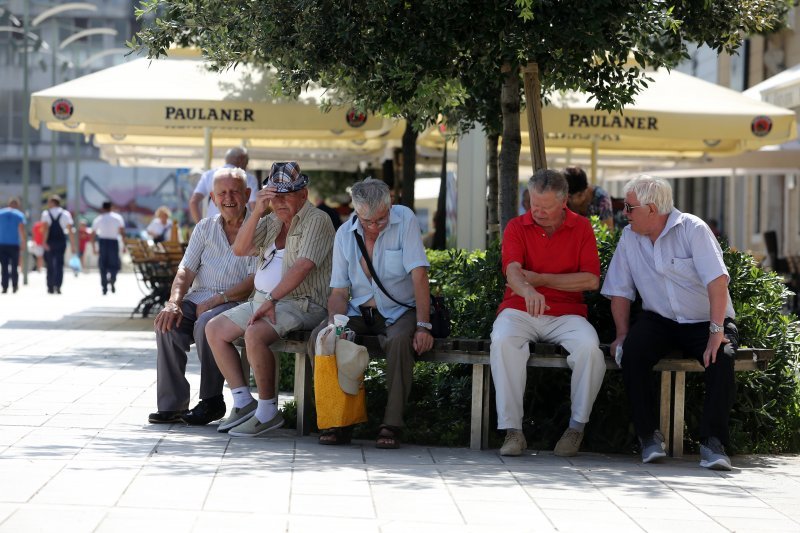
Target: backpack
55, 235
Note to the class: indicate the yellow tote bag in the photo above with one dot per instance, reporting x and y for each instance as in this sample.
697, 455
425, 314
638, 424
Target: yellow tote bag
335, 408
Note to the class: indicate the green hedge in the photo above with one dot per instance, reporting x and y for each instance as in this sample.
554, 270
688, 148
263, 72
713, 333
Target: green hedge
766, 415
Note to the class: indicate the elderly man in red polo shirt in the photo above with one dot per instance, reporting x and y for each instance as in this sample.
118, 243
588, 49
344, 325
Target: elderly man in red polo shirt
549, 259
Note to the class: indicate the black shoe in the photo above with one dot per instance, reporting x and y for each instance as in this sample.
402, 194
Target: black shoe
105, 291
206, 411
165, 417
113, 288
58, 290
5, 290
50, 290
16, 288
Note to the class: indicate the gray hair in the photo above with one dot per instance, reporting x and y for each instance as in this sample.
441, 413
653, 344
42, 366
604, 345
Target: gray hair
236, 173
237, 157
549, 180
650, 190
370, 194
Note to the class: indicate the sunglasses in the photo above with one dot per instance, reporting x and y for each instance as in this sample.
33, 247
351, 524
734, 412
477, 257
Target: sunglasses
269, 258
629, 208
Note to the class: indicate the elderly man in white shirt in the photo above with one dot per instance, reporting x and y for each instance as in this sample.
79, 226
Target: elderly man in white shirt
107, 228
210, 280
674, 262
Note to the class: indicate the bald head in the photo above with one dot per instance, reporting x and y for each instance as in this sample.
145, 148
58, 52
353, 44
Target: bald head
237, 157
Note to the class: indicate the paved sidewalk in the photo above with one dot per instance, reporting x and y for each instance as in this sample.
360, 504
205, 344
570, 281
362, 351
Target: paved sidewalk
77, 381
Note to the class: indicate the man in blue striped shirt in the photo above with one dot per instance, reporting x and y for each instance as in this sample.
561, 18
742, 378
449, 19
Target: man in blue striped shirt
210, 280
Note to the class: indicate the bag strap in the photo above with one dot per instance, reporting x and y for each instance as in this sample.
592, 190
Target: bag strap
363, 249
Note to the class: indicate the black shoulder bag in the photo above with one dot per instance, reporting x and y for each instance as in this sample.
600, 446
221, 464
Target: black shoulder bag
440, 314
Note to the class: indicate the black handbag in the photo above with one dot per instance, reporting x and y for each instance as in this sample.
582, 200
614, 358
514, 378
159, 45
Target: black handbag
440, 314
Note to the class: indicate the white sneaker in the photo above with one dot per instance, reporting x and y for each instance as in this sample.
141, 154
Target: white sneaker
514, 444
254, 428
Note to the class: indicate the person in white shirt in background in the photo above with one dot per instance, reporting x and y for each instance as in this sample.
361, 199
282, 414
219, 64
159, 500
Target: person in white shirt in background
159, 228
234, 158
107, 228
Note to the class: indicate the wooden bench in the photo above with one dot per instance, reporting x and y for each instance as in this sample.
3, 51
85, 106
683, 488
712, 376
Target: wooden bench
543, 355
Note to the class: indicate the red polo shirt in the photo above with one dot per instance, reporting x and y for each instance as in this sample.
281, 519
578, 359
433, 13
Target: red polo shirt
572, 248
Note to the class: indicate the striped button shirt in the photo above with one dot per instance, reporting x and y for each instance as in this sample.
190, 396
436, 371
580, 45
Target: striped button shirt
210, 257
311, 236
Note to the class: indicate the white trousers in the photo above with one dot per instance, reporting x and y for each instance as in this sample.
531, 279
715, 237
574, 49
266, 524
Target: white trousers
512, 332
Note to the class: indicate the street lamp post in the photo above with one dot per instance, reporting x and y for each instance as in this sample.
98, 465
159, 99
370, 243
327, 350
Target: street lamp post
26, 25
26, 169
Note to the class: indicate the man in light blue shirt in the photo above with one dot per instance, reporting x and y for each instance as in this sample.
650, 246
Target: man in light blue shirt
398, 313
12, 241
674, 262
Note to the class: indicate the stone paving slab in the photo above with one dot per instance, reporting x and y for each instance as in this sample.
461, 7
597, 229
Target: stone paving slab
77, 380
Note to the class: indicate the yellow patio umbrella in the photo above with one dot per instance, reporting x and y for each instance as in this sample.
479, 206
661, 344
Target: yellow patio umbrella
179, 98
676, 116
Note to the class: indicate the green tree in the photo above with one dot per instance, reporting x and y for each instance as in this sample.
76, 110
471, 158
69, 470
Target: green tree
418, 59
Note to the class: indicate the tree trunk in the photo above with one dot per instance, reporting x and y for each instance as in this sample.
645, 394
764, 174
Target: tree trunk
509, 155
410, 164
492, 217
440, 218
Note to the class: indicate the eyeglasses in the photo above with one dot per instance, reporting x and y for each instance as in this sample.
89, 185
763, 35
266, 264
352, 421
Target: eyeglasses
268, 259
629, 208
378, 222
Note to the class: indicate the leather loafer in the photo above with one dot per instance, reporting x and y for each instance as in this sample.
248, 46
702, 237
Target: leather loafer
204, 412
165, 417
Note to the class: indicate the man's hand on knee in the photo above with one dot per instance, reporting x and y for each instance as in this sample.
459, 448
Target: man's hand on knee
169, 317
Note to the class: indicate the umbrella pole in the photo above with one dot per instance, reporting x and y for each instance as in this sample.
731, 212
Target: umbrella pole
208, 147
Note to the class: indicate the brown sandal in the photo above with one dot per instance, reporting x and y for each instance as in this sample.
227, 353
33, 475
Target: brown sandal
336, 436
388, 438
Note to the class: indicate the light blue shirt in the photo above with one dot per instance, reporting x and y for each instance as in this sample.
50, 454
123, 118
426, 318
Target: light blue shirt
398, 250
672, 274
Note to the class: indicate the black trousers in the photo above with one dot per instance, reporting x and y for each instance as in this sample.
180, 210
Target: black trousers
54, 262
9, 260
108, 261
650, 338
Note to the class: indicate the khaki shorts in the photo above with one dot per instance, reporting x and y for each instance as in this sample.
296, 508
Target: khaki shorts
290, 315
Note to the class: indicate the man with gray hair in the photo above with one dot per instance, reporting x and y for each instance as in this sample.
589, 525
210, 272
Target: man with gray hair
674, 262
209, 281
395, 306
234, 158
549, 258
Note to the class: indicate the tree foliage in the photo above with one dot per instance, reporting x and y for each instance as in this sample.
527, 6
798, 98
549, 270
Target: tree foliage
420, 59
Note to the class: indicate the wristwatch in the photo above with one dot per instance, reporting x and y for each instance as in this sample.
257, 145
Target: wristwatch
425, 325
268, 297
715, 328
224, 296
